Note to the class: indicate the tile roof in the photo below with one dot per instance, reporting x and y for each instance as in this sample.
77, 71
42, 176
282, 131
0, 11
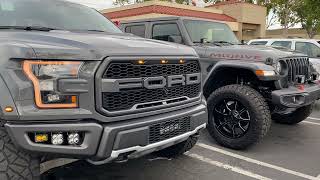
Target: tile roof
169, 11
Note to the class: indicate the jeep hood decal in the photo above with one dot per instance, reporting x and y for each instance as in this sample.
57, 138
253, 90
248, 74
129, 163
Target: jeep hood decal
248, 53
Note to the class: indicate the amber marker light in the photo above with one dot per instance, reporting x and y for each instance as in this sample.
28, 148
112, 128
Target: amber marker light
164, 61
181, 61
265, 73
8, 109
141, 61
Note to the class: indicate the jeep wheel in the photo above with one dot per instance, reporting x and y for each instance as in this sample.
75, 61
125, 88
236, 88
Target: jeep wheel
295, 117
14, 163
238, 116
178, 149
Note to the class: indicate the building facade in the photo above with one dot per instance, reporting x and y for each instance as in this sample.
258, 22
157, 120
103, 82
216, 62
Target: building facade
248, 21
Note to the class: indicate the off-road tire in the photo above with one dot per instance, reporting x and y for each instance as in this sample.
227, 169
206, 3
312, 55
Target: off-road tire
257, 107
178, 149
14, 163
295, 117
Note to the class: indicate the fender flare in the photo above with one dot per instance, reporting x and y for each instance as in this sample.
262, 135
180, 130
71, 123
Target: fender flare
250, 66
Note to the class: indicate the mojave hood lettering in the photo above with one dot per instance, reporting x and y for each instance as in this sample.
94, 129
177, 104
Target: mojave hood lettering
248, 53
235, 56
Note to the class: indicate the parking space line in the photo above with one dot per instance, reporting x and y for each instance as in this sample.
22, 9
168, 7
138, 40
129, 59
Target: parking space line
228, 167
313, 123
254, 161
317, 119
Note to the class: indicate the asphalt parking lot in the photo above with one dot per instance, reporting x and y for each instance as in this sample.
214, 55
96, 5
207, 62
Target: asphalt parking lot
288, 153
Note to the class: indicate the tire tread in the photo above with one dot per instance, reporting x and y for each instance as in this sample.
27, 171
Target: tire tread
261, 109
16, 164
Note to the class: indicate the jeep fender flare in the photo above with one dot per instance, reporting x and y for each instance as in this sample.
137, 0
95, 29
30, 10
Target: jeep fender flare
249, 66
6, 100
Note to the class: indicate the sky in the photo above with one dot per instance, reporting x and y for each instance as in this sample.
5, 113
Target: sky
97, 4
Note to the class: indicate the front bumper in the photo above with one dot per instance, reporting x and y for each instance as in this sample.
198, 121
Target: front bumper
106, 142
295, 97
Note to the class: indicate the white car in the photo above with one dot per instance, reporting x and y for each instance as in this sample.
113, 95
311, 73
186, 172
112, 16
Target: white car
311, 47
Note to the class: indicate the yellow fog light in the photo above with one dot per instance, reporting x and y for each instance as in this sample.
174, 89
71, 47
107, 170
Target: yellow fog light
39, 138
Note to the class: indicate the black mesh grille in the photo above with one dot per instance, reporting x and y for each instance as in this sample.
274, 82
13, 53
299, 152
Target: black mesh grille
143, 97
169, 129
124, 100
297, 66
129, 70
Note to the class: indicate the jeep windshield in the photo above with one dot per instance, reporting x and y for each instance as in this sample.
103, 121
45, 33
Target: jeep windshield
46, 15
210, 32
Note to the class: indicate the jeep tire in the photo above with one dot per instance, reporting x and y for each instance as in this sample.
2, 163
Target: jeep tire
238, 116
178, 149
14, 163
295, 117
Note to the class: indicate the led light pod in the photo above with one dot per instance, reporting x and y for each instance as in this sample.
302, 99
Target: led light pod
57, 139
73, 138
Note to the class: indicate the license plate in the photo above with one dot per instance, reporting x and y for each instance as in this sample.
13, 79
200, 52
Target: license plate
169, 128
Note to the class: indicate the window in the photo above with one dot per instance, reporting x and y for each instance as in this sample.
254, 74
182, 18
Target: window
164, 31
209, 31
259, 43
309, 49
138, 30
53, 14
286, 44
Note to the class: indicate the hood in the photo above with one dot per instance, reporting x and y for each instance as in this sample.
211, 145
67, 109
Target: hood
92, 46
250, 53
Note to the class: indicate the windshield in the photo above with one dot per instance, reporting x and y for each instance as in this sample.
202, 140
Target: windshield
210, 32
53, 14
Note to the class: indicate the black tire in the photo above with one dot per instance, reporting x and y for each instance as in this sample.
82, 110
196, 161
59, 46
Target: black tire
295, 117
259, 120
14, 163
178, 149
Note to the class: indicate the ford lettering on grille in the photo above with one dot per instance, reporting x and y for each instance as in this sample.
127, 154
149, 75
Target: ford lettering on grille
116, 85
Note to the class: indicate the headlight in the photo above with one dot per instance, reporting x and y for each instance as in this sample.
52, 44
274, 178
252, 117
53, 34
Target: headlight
278, 67
45, 76
281, 67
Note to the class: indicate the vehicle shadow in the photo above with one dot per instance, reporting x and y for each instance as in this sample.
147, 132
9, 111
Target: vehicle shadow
149, 167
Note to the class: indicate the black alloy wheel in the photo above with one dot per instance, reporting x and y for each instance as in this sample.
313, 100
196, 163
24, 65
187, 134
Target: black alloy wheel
231, 118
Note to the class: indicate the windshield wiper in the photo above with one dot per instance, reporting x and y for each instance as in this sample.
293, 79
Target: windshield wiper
221, 42
94, 30
28, 28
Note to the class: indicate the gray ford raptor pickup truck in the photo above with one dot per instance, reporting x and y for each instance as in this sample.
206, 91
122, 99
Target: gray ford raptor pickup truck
244, 86
73, 85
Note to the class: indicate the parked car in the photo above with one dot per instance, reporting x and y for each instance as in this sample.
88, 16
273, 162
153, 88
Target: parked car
73, 85
244, 85
311, 47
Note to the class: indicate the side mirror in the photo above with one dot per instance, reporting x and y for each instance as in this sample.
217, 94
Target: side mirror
175, 39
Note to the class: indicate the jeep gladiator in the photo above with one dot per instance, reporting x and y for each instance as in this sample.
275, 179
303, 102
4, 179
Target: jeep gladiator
73, 85
245, 86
